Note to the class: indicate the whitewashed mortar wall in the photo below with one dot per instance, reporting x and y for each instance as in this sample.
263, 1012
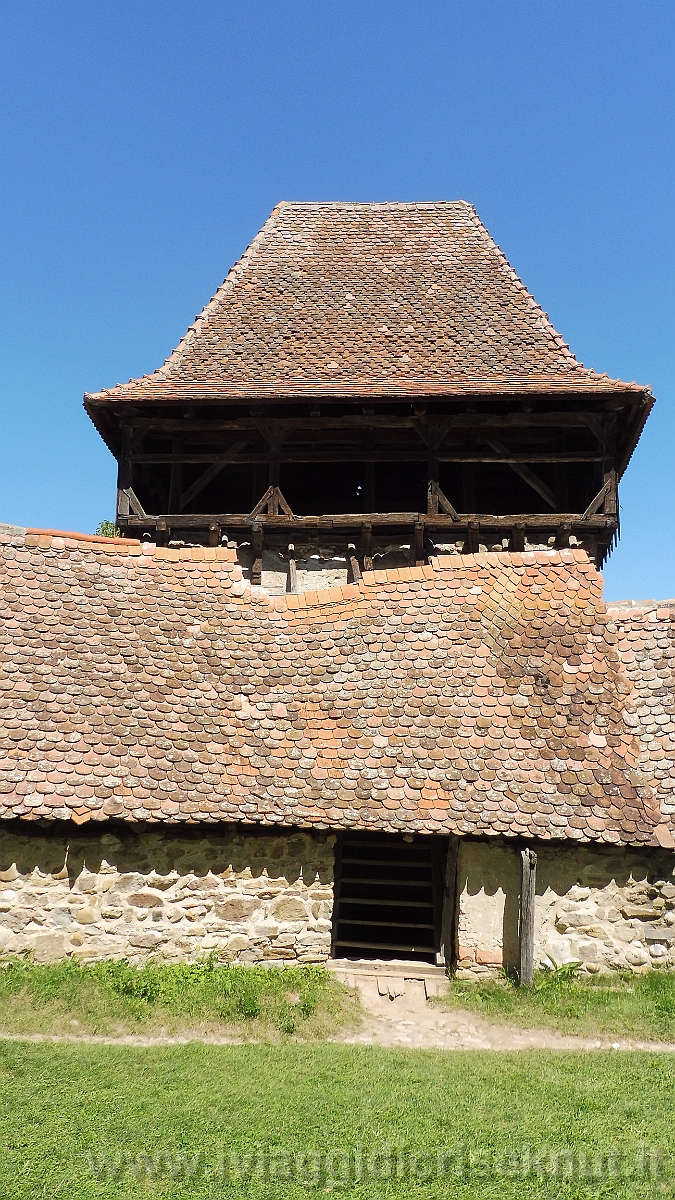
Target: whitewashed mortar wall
604, 907
121, 891
118, 891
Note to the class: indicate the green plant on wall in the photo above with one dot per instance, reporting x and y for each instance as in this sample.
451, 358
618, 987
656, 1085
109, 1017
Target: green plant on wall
108, 529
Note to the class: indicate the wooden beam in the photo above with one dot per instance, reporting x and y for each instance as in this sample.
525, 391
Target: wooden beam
134, 503
465, 420
471, 544
214, 534
366, 454
404, 521
201, 482
526, 923
418, 544
529, 476
125, 477
596, 501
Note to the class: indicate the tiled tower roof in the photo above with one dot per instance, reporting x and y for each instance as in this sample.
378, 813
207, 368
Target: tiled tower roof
368, 299
483, 694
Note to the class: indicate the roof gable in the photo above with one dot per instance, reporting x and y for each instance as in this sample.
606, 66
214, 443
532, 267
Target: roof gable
368, 299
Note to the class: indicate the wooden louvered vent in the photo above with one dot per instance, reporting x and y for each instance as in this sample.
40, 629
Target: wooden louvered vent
388, 897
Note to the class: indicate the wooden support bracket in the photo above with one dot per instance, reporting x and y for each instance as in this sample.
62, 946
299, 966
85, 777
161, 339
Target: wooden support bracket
525, 473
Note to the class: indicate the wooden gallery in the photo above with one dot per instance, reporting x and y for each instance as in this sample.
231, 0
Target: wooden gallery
345, 687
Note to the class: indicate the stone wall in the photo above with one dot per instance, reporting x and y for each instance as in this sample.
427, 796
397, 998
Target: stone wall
124, 891
605, 907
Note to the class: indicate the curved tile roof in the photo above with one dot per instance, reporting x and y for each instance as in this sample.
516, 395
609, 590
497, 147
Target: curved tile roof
481, 694
368, 299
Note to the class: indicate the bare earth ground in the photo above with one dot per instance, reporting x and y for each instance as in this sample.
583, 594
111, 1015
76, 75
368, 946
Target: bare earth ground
407, 1020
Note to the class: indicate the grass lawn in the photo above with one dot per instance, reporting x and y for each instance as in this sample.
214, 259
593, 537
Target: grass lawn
271, 1121
631, 1006
115, 998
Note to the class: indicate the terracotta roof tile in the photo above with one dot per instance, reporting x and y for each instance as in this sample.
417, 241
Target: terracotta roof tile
147, 687
368, 299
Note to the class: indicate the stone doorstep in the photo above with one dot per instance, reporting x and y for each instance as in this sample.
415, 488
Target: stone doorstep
391, 976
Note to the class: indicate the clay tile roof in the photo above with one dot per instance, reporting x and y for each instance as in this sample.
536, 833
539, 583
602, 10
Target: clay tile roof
368, 299
484, 694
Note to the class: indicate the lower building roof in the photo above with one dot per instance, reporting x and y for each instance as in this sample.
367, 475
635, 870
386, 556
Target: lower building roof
486, 694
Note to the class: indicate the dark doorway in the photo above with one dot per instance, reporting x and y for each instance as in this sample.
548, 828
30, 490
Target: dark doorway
388, 896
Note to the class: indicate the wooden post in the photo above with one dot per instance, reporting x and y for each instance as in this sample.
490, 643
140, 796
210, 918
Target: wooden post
526, 924
257, 534
418, 544
471, 543
214, 534
353, 563
367, 545
125, 475
292, 569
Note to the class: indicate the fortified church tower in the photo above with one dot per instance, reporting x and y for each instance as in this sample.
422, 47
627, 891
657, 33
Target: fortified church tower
346, 687
371, 384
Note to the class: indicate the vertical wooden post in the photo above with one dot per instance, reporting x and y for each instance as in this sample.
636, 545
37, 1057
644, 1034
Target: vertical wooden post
418, 543
257, 539
526, 924
353, 563
367, 545
125, 471
292, 569
214, 534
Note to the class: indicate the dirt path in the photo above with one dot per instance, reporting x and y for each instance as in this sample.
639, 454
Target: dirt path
409, 1020
406, 1021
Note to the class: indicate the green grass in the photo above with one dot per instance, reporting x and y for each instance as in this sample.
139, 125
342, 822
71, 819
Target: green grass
203, 997
198, 1122
632, 1006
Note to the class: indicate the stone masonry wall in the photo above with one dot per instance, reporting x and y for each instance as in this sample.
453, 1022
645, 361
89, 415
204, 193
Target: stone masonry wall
606, 907
123, 891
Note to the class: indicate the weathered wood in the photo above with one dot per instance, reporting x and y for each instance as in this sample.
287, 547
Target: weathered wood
418, 543
353, 563
257, 538
517, 538
562, 537
125, 477
526, 922
292, 569
367, 545
214, 534
596, 501
134, 503
528, 476
399, 520
447, 952
472, 542
263, 504
199, 484
367, 453
515, 420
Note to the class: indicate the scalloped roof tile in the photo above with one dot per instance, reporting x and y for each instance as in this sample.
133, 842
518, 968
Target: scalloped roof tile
368, 299
482, 694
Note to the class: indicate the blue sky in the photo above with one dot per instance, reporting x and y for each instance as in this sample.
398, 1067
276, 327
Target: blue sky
143, 144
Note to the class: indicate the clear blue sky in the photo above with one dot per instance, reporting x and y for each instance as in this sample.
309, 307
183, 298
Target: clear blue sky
143, 144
